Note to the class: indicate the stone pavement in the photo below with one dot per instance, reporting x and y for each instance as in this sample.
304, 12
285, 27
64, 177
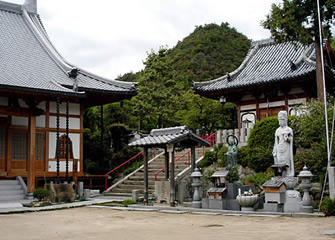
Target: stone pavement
18, 207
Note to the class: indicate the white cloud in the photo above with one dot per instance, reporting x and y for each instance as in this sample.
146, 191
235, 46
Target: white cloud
112, 37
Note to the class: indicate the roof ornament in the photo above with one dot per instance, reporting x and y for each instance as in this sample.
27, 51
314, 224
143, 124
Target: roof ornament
293, 66
228, 77
73, 73
30, 6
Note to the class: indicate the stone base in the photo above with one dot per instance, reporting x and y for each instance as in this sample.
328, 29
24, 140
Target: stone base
273, 207
292, 207
196, 204
306, 209
205, 203
247, 209
217, 204
232, 204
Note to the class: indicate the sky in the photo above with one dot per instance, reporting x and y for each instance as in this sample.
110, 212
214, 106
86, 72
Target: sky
112, 37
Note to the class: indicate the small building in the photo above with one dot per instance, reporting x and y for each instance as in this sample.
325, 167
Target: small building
42, 99
272, 77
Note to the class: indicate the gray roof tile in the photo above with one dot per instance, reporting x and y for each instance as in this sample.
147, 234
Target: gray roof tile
29, 61
266, 62
160, 137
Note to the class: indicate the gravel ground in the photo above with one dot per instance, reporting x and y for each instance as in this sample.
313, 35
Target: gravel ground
107, 223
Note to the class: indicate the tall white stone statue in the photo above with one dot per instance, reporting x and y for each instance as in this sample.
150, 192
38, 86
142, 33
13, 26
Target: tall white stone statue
283, 147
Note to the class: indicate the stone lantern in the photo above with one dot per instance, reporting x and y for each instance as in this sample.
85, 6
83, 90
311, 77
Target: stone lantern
306, 185
196, 183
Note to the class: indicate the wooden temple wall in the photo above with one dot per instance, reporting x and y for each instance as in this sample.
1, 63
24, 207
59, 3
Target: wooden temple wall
14, 140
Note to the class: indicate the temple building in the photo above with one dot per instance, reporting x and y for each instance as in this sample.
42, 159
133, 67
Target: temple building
42, 99
272, 77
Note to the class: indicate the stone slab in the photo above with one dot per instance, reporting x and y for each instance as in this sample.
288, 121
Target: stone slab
273, 207
232, 204
217, 204
162, 191
292, 207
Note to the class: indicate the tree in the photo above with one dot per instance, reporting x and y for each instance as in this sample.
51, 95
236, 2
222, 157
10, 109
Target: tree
159, 96
297, 20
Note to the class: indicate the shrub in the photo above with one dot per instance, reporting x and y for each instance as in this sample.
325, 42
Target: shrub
128, 202
258, 179
262, 135
221, 156
260, 158
209, 159
41, 194
328, 206
243, 156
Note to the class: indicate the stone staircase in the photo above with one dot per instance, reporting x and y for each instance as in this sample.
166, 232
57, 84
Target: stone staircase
11, 190
135, 182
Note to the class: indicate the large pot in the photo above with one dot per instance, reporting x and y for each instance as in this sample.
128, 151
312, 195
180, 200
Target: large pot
246, 200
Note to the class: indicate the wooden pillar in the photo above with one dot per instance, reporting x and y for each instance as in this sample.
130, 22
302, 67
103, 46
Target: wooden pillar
170, 149
145, 179
31, 154
57, 137
67, 144
167, 165
193, 165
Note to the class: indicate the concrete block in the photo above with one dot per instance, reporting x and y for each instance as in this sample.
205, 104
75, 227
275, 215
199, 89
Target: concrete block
217, 204
273, 207
276, 197
205, 203
292, 207
135, 195
232, 204
232, 190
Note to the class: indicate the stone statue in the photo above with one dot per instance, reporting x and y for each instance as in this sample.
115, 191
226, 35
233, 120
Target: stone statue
231, 154
283, 147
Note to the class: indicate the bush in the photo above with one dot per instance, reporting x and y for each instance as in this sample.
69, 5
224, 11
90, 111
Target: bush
328, 206
41, 194
260, 158
258, 179
221, 156
128, 202
243, 156
209, 159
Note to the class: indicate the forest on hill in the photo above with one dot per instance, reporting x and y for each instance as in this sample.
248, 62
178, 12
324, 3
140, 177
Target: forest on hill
165, 97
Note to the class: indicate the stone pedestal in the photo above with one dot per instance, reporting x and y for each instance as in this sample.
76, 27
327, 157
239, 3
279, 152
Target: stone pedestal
219, 204
273, 207
162, 191
205, 203
292, 201
135, 195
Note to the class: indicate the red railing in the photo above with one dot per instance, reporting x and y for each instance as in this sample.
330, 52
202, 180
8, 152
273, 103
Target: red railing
122, 165
210, 138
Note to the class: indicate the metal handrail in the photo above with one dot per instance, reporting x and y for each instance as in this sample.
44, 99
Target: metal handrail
122, 165
212, 141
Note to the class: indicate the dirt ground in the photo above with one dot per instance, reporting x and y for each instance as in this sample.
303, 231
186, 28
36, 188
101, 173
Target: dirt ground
106, 223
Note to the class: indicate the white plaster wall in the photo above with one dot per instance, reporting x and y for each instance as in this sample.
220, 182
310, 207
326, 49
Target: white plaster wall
75, 138
296, 101
296, 90
40, 121
42, 105
74, 108
272, 104
250, 116
248, 107
20, 121
3, 101
22, 103
62, 166
74, 123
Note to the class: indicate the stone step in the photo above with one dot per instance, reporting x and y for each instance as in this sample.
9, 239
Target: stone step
10, 187
129, 191
11, 197
9, 182
11, 192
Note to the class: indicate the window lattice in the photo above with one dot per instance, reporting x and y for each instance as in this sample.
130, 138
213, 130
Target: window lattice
40, 146
62, 148
19, 145
2, 142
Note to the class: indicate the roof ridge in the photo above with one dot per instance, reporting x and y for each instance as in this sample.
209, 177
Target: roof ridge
11, 7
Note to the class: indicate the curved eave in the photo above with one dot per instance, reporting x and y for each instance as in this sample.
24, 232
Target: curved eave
37, 28
42, 91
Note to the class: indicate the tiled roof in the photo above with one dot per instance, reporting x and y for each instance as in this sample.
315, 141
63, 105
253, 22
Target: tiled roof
160, 137
30, 62
266, 62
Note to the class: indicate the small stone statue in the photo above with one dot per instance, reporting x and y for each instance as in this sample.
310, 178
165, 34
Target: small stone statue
283, 147
231, 154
